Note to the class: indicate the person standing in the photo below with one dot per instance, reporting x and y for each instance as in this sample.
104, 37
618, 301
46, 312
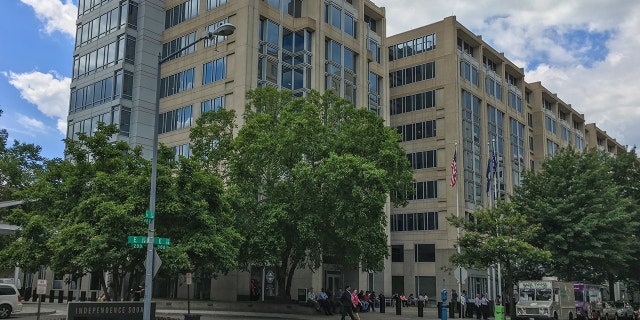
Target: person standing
347, 303
356, 303
454, 300
484, 304
478, 304
463, 303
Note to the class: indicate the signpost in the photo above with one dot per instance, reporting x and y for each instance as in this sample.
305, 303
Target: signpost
40, 290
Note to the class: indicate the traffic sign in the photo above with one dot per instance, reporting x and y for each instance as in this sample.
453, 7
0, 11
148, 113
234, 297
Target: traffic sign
138, 242
42, 286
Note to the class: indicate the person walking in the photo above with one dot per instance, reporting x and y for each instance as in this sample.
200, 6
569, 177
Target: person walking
347, 303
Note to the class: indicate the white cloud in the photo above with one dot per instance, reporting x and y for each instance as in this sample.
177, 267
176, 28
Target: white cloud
604, 90
56, 15
32, 125
48, 91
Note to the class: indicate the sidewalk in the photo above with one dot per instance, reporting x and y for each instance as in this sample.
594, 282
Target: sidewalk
211, 309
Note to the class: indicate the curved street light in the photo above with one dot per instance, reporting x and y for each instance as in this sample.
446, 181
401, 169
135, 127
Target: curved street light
225, 29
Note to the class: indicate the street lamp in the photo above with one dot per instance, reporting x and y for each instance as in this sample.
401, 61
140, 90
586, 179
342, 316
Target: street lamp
225, 29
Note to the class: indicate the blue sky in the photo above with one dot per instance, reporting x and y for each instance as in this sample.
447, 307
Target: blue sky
585, 51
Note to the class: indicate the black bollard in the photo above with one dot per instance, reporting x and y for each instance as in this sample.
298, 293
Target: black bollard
383, 303
439, 307
51, 296
398, 306
60, 296
420, 309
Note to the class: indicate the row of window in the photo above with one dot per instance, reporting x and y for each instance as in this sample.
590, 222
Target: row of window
413, 74
412, 47
422, 253
118, 115
109, 55
340, 18
423, 159
415, 131
107, 23
183, 117
175, 119
183, 150
181, 13
414, 221
424, 190
182, 81
414, 102
85, 6
105, 90
177, 44
176, 83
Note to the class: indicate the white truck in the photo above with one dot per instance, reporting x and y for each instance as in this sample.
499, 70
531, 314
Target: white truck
548, 298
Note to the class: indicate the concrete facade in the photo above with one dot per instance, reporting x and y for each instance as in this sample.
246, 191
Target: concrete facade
443, 87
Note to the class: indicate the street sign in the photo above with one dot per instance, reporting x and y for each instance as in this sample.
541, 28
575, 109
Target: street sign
270, 276
149, 216
139, 242
42, 286
189, 278
460, 274
156, 262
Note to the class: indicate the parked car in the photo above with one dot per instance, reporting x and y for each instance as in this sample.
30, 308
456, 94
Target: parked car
10, 300
608, 311
624, 310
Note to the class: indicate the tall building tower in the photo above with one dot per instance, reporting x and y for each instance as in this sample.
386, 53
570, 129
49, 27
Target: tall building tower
290, 44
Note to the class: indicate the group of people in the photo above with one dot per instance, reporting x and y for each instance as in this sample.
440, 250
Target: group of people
479, 305
350, 302
411, 300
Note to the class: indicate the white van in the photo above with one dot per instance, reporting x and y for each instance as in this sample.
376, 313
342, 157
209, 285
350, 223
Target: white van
545, 299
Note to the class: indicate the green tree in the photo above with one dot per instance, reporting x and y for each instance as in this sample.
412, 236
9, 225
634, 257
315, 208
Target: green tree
585, 218
499, 235
309, 179
79, 213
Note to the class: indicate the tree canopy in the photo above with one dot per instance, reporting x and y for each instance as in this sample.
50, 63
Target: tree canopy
586, 219
309, 179
79, 213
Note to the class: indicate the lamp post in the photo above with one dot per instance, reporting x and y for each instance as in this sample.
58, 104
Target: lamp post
225, 29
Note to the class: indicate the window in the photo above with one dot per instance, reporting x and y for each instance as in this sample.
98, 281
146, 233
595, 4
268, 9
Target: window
465, 47
397, 253
423, 159
420, 130
550, 124
177, 83
425, 190
419, 101
181, 13
515, 101
212, 4
215, 70
552, 148
412, 47
175, 119
214, 104
469, 71
178, 44
413, 74
425, 252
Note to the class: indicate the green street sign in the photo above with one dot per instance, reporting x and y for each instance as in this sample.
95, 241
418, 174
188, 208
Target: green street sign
150, 215
139, 242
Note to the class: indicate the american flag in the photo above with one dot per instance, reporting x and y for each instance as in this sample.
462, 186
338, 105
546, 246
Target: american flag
454, 168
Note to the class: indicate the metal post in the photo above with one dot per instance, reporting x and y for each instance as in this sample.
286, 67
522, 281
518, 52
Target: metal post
223, 30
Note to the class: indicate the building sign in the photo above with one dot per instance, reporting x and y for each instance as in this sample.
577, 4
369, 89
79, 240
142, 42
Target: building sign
270, 276
108, 310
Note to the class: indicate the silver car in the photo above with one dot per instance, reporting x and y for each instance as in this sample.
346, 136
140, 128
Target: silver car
623, 310
10, 300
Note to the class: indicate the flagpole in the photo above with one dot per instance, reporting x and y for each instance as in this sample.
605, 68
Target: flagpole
496, 197
458, 229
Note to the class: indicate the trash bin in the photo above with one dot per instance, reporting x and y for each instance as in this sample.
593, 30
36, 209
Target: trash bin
421, 309
383, 303
398, 306
498, 312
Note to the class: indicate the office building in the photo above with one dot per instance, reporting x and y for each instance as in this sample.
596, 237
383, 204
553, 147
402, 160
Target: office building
444, 89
